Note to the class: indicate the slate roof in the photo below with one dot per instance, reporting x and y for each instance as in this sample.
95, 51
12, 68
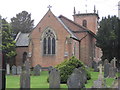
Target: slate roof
22, 39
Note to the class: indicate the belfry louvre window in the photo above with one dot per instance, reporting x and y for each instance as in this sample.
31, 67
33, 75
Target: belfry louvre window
85, 23
49, 43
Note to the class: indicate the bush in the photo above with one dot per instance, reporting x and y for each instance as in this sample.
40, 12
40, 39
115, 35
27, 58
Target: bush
66, 68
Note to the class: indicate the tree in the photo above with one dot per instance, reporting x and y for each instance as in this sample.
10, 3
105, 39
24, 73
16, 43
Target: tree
22, 22
108, 37
8, 44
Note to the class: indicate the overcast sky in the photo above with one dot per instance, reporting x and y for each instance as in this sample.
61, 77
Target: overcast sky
38, 8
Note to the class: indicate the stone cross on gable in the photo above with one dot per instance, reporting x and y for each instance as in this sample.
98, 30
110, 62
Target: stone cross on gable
49, 7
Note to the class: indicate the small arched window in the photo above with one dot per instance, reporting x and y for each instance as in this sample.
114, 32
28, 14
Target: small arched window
84, 23
49, 43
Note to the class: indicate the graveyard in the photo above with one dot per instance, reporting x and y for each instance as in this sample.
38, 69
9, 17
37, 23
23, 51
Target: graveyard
50, 77
41, 81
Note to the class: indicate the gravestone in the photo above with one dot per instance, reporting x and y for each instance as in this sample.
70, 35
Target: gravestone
95, 66
54, 78
111, 71
113, 63
19, 70
106, 68
25, 76
36, 70
25, 80
97, 84
83, 75
8, 69
27, 66
75, 79
100, 76
14, 70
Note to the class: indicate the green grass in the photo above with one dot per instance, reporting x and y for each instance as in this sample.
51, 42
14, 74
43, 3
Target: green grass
41, 81
36, 81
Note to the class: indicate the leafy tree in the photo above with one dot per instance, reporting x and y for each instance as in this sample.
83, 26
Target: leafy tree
108, 37
8, 44
22, 22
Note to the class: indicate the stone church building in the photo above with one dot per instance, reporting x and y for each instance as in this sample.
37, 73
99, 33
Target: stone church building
55, 39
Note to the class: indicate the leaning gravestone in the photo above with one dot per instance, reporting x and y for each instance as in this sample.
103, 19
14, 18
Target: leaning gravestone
14, 70
106, 68
25, 76
54, 78
8, 69
36, 70
19, 70
75, 79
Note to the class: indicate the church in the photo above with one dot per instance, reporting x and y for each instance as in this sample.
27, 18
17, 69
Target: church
55, 39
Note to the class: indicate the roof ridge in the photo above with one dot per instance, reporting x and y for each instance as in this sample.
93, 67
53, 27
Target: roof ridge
74, 22
17, 36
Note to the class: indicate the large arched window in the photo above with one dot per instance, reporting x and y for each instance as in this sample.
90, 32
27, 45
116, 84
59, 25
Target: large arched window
84, 23
49, 42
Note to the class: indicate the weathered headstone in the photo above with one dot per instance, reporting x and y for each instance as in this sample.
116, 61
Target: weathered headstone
100, 76
54, 78
25, 76
8, 69
25, 80
36, 70
111, 71
95, 66
27, 66
14, 70
75, 79
83, 75
106, 68
113, 63
19, 70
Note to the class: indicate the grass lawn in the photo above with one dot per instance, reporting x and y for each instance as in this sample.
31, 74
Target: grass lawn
36, 81
41, 81
94, 76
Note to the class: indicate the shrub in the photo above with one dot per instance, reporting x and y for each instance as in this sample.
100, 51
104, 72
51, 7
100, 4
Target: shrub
66, 68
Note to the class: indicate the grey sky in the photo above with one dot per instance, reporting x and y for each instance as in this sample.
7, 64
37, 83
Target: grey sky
38, 8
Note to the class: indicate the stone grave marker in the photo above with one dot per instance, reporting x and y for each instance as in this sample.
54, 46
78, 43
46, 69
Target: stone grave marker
25, 76
8, 69
19, 70
100, 76
75, 79
36, 70
25, 80
14, 70
27, 66
83, 75
111, 71
54, 78
106, 68
95, 66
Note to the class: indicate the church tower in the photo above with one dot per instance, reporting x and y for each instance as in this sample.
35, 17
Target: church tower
88, 20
